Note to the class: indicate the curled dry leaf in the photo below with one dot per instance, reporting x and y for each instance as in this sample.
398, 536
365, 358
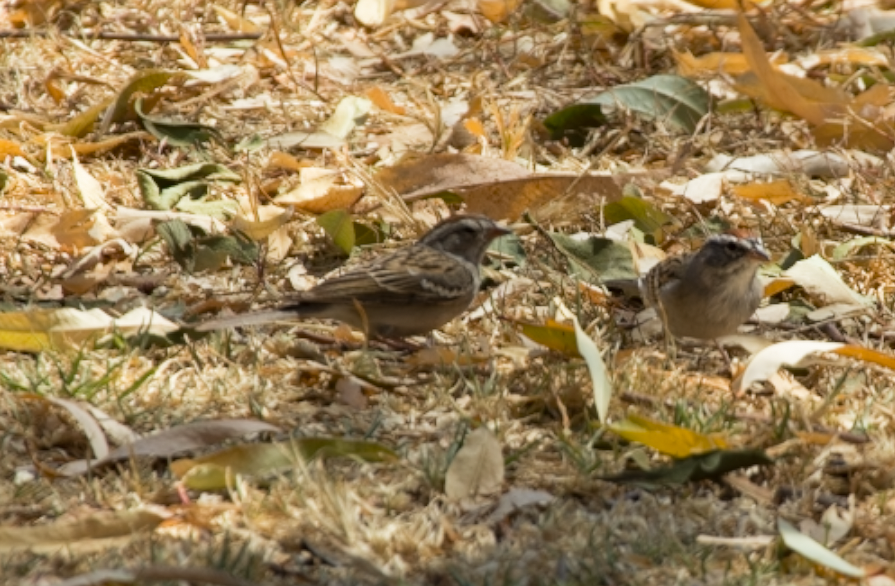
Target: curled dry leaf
703, 189
711, 64
815, 552
92, 192
804, 162
823, 283
175, 440
91, 532
272, 218
766, 362
861, 214
599, 374
798, 353
92, 430
69, 329
323, 190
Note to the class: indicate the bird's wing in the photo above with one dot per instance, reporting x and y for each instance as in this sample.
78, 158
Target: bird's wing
664, 274
416, 273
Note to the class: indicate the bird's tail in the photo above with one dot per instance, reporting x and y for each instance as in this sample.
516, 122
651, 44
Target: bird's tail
256, 318
628, 287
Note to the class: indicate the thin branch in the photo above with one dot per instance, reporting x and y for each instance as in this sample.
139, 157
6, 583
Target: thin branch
109, 36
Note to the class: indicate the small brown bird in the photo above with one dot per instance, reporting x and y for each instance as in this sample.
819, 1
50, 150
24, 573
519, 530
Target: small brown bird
711, 292
409, 292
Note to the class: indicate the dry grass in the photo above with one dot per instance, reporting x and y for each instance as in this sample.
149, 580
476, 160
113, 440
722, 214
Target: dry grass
345, 522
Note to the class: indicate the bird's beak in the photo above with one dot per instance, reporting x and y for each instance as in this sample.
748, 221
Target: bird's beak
759, 253
498, 231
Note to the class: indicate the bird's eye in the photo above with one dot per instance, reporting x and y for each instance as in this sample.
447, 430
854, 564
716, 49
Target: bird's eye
732, 247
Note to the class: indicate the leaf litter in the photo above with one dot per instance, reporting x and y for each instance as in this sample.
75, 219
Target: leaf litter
135, 198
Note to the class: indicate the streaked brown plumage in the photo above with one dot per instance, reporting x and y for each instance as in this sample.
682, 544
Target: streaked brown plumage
409, 292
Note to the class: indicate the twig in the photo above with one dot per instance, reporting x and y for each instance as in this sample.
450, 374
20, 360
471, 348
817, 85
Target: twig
9, 207
110, 36
864, 230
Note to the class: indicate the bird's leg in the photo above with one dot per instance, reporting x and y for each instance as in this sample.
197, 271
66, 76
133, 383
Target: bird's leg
725, 356
362, 313
670, 346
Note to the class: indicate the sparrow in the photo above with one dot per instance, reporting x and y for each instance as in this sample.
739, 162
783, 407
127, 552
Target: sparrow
711, 292
409, 292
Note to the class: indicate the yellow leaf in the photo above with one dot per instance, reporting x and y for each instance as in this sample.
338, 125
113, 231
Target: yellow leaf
498, 10
382, 101
474, 126
668, 439
281, 160
778, 285
815, 438
11, 148
867, 355
553, 335
777, 192
235, 21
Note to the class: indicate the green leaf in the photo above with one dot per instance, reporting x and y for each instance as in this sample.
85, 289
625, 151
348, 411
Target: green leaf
178, 237
553, 335
143, 82
647, 218
176, 132
216, 471
221, 208
196, 252
84, 122
511, 246
708, 466
572, 122
364, 235
313, 447
676, 101
849, 247
212, 252
340, 227
162, 189
596, 259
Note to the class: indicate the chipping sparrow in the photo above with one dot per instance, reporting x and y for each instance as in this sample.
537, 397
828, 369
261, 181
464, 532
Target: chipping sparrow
408, 292
711, 292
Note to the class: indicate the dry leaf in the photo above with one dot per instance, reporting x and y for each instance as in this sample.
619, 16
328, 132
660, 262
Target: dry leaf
323, 190
477, 469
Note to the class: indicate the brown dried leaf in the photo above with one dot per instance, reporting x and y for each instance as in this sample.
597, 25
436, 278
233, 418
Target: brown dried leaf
272, 218
417, 176
559, 193
96, 530
235, 21
478, 467
804, 98
322, 190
